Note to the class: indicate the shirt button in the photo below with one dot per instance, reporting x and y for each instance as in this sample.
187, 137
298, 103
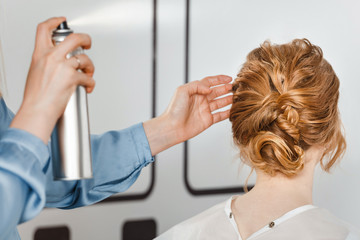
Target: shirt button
230, 215
271, 225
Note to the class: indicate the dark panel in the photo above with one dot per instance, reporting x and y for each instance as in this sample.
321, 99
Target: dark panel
52, 233
193, 191
131, 197
139, 230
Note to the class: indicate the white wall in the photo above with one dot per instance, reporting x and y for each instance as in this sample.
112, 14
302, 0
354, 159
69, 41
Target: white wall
221, 35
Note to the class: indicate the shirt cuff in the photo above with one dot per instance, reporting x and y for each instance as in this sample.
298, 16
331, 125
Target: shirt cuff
142, 143
29, 141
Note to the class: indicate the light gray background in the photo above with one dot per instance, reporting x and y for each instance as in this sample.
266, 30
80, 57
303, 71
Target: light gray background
221, 35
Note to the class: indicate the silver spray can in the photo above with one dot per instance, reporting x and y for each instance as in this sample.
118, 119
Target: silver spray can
70, 141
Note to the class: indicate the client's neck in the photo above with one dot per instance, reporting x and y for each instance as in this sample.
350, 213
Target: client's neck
274, 196
283, 193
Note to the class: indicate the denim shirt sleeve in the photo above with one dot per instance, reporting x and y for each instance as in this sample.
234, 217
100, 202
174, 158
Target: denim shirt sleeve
22, 179
118, 157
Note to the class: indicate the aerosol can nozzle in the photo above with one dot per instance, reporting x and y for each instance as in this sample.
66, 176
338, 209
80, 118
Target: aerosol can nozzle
63, 25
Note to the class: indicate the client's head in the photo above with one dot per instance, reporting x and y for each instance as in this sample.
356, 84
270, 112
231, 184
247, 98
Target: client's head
285, 102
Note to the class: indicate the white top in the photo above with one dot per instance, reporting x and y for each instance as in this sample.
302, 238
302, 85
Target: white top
303, 223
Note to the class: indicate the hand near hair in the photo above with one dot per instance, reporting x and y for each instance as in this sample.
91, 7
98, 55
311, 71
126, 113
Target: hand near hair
189, 112
52, 79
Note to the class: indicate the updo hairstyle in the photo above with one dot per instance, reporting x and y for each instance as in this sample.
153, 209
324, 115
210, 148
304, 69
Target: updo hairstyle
285, 101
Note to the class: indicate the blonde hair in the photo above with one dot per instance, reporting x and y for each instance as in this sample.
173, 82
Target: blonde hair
285, 101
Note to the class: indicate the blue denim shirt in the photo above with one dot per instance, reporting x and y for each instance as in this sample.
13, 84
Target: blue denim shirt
26, 181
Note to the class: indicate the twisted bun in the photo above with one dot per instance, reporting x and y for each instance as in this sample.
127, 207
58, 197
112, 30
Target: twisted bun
285, 101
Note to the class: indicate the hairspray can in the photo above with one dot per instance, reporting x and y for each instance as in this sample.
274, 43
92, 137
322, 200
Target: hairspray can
70, 141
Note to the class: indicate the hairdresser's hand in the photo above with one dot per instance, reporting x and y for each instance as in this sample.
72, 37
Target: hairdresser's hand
189, 112
52, 79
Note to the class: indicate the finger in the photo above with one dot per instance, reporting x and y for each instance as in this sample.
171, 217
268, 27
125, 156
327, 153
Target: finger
220, 116
220, 103
196, 87
219, 91
72, 42
82, 62
43, 33
216, 80
85, 81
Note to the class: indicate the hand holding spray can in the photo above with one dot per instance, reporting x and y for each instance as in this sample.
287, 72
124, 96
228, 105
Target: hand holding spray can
70, 141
